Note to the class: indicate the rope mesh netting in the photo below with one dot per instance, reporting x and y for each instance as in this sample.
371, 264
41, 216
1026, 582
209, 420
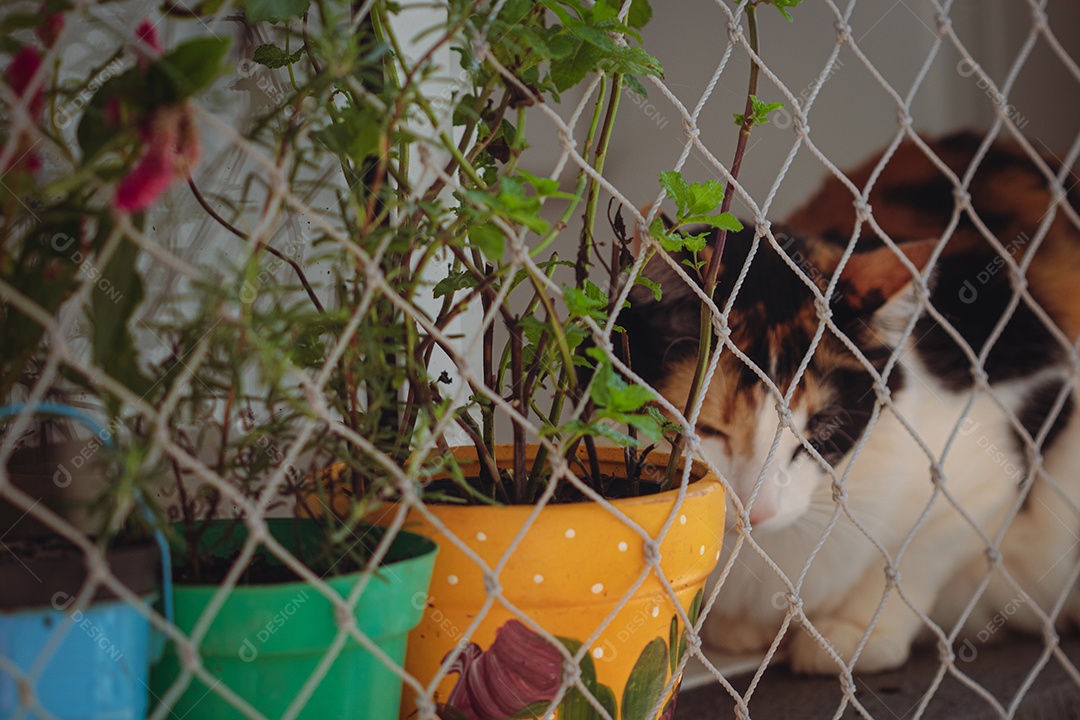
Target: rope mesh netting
287, 207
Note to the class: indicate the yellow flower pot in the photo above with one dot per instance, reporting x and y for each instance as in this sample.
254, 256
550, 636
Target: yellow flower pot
572, 567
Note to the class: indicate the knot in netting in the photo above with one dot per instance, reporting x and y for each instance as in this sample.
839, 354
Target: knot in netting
903, 118
1038, 19
26, 692
786, 418
651, 549
372, 273
962, 197
843, 32
723, 332
491, 584
344, 619
847, 685
943, 22
1020, 282
993, 556
1050, 636
839, 494
937, 475
742, 522
794, 602
980, 377
189, 656
862, 209
571, 673
883, 392
921, 291
801, 125
690, 129
734, 31
945, 652
426, 708
567, 140
823, 309
479, 47
763, 225
892, 575
693, 640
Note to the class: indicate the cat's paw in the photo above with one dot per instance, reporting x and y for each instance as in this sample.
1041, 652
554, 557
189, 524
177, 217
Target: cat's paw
881, 652
738, 636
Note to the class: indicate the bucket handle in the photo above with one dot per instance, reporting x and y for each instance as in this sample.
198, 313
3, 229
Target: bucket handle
49, 408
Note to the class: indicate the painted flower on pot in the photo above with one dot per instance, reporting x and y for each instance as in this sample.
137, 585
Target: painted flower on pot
519, 669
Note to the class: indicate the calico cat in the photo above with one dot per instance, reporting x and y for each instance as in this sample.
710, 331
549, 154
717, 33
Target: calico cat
881, 455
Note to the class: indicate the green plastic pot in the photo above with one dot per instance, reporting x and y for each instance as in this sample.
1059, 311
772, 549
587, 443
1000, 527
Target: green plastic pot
267, 640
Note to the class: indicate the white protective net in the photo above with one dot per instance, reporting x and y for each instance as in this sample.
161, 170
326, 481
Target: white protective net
178, 242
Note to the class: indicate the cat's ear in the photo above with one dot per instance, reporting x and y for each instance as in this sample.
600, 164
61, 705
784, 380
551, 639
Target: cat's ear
639, 238
871, 279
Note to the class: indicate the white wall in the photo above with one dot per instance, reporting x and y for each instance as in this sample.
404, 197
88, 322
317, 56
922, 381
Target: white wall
852, 117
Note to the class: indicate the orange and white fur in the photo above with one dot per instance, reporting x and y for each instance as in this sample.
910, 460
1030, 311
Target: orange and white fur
928, 458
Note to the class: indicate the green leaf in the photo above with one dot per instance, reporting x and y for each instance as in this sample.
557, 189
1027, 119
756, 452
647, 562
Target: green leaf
356, 134
645, 687
676, 188
274, 57
117, 293
673, 644
640, 12
454, 282
657, 291
512, 203
545, 187
759, 114
704, 197
590, 302
488, 239
273, 10
724, 221
670, 241
783, 5
694, 611
634, 85
21, 21
574, 705
571, 69
188, 69
695, 243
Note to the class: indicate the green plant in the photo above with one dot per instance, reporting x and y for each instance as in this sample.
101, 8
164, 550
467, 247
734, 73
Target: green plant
415, 212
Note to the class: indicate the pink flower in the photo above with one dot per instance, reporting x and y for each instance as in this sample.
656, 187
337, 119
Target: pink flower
148, 40
48, 32
20, 73
519, 669
171, 150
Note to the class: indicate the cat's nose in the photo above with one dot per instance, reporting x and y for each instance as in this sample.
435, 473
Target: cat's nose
762, 510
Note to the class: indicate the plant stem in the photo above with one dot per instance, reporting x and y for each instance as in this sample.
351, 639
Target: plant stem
582, 178
585, 246
712, 270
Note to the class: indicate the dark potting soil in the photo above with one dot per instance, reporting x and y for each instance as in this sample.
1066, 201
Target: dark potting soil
35, 570
262, 570
611, 487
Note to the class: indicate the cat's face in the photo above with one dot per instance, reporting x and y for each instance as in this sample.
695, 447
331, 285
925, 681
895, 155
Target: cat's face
772, 323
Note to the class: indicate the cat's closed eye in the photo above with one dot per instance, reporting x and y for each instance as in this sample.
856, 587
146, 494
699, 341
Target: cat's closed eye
710, 431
